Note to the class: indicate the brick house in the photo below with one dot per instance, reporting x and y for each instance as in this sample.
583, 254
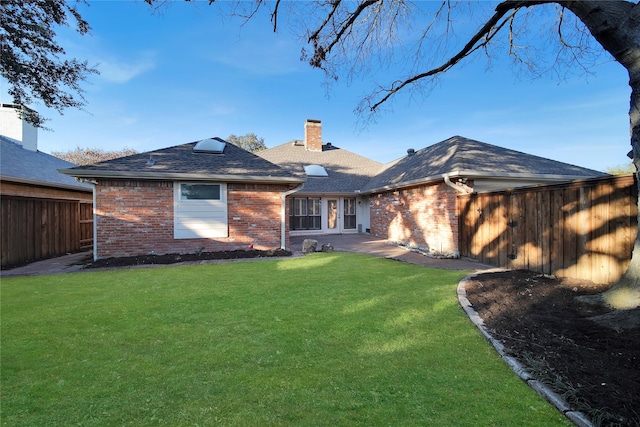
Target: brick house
329, 201
202, 196
215, 196
411, 200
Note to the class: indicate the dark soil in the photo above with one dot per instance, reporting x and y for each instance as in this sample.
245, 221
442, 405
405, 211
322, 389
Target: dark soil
537, 318
177, 258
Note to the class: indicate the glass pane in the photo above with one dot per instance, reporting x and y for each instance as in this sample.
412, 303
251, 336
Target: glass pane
199, 191
349, 206
315, 222
349, 221
332, 214
315, 206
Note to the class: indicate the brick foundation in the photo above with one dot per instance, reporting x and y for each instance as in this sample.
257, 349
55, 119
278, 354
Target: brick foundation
136, 218
423, 216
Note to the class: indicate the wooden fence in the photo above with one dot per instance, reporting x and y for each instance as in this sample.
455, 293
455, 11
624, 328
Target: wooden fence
584, 229
37, 228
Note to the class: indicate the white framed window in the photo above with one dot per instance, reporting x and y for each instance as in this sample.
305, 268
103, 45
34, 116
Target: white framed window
200, 210
199, 191
349, 213
305, 213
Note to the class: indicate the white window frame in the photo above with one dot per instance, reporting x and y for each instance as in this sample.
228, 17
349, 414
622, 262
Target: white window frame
200, 218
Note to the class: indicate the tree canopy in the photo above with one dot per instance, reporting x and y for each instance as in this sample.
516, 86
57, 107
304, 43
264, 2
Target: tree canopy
34, 63
86, 156
250, 142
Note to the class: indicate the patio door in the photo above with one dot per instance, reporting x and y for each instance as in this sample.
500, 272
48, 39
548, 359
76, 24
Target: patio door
333, 217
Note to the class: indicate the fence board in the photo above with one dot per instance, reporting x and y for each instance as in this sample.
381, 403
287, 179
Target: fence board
545, 232
35, 228
570, 235
585, 261
584, 229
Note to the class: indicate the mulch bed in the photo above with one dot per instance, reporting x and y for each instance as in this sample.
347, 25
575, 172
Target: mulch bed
177, 258
537, 318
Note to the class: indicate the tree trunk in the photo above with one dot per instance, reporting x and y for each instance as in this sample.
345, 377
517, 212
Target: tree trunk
625, 294
616, 26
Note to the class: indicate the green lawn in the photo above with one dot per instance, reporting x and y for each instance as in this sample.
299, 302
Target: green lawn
333, 339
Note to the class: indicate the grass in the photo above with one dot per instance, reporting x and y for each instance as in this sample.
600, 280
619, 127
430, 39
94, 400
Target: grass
331, 339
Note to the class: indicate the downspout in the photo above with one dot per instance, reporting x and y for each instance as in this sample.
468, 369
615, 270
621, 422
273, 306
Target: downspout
458, 188
283, 217
95, 222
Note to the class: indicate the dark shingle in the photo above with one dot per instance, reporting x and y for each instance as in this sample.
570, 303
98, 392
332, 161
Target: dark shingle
20, 164
348, 172
182, 162
463, 155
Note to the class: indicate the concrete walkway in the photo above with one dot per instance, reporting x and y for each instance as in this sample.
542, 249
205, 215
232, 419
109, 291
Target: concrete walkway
363, 243
63, 264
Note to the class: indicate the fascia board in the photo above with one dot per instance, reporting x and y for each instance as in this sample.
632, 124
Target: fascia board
178, 176
477, 174
46, 184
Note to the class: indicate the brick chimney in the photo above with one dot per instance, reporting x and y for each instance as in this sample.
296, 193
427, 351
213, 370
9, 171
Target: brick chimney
313, 135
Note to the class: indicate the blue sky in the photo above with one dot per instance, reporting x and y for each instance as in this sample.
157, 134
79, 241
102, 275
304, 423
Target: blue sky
186, 74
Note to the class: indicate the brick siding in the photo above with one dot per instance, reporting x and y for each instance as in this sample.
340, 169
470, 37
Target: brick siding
423, 216
136, 218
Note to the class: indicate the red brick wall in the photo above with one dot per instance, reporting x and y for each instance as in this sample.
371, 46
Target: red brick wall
423, 216
136, 218
313, 135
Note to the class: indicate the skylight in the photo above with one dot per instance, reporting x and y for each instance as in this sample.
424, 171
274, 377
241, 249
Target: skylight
210, 145
315, 170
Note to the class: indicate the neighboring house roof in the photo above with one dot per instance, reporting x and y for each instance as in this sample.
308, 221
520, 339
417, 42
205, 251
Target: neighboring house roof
181, 162
463, 157
18, 164
347, 172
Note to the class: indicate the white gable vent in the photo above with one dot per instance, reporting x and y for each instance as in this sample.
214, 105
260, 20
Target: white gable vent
211, 145
315, 170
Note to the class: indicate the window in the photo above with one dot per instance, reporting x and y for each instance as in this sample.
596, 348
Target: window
200, 211
199, 191
349, 214
305, 213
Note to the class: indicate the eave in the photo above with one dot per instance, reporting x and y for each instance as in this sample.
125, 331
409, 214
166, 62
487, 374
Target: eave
542, 178
45, 184
176, 176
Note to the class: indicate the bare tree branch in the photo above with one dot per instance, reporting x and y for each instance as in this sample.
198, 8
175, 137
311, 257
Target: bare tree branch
320, 52
486, 33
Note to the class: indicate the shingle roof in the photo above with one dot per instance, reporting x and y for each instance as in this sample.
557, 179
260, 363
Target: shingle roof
348, 172
35, 167
467, 156
181, 162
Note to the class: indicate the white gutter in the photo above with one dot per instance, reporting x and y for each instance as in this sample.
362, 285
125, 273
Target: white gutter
283, 215
458, 188
174, 176
543, 178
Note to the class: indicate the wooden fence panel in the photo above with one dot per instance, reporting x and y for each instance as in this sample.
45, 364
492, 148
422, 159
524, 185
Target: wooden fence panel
34, 229
86, 225
584, 229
